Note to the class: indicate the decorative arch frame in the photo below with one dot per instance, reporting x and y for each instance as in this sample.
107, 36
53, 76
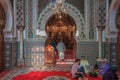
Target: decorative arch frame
71, 10
9, 17
112, 18
114, 7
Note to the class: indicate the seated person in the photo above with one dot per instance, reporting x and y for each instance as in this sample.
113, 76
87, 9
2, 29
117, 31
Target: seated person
85, 64
104, 66
95, 67
82, 78
110, 74
118, 74
76, 71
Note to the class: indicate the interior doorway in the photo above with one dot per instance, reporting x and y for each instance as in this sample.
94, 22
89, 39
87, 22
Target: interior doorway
62, 27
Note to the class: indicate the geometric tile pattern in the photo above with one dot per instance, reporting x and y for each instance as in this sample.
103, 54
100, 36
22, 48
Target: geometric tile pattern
102, 13
34, 53
110, 51
91, 19
10, 54
30, 18
19, 8
113, 53
89, 50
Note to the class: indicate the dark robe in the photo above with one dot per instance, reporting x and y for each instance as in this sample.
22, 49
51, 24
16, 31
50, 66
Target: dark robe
110, 74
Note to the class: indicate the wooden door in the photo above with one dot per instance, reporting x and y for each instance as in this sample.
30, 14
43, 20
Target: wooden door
49, 59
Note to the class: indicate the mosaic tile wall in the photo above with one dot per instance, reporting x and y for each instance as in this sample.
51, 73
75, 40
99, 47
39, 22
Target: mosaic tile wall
19, 12
34, 53
113, 53
102, 9
89, 50
29, 18
92, 19
110, 50
10, 56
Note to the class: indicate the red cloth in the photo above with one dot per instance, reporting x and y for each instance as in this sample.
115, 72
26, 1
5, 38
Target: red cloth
91, 78
40, 75
4, 73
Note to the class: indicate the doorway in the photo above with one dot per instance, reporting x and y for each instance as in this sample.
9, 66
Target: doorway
62, 27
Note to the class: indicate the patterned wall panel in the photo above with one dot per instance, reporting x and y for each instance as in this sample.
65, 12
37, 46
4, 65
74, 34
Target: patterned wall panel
34, 53
14, 53
10, 54
89, 50
29, 18
107, 50
19, 7
92, 19
102, 12
113, 53
78, 3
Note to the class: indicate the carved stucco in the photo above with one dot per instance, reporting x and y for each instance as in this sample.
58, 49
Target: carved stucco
111, 28
72, 11
9, 17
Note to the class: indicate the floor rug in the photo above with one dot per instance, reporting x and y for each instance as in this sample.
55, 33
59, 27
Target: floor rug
45, 75
56, 78
3, 73
17, 71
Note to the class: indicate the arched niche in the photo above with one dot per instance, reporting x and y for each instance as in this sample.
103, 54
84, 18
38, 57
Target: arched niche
72, 11
114, 25
9, 15
112, 17
61, 24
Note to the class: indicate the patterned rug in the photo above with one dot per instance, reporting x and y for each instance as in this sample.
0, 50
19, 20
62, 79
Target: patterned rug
56, 78
24, 70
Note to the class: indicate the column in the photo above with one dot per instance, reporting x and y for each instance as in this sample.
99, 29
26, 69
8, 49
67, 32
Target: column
21, 56
1, 45
100, 29
118, 47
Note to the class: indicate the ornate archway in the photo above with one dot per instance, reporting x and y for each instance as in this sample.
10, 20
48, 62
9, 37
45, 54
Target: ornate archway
2, 25
118, 37
62, 27
114, 25
72, 11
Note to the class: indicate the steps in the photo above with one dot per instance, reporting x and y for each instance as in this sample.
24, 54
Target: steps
66, 62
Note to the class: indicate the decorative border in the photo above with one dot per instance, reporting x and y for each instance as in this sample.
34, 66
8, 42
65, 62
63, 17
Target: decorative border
56, 78
72, 11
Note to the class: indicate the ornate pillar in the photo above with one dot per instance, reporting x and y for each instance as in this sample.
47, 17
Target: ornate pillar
101, 22
21, 57
20, 22
1, 45
100, 29
118, 47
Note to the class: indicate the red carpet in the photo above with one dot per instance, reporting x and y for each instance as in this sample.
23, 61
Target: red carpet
4, 73
39, 75
91, 78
